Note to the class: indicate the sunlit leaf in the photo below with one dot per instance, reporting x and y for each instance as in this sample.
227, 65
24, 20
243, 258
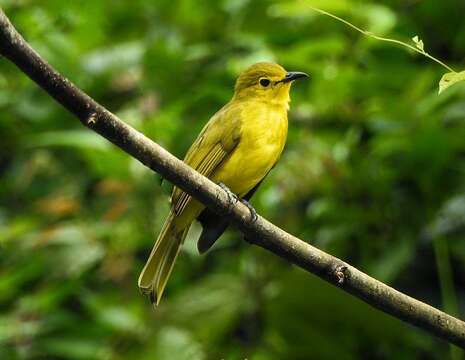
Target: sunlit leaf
418, 43
450, 79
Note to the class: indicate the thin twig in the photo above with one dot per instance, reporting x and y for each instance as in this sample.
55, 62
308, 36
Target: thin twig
259, 232
380, 38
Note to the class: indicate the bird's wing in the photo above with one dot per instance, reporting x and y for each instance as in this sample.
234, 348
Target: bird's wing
215, 143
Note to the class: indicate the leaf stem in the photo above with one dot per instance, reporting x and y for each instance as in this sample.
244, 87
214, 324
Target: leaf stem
374, 36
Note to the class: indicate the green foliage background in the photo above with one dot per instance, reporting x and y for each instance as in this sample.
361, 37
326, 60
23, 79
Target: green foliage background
373, 172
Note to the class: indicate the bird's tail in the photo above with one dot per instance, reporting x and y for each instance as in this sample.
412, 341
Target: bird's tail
155, 274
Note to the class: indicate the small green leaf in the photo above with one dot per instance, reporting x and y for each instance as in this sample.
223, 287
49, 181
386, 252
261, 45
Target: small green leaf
450, 79
418, 43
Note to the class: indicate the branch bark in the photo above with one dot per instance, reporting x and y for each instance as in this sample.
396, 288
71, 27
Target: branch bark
261, 232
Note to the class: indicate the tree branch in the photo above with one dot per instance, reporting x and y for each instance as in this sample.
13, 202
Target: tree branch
260, 232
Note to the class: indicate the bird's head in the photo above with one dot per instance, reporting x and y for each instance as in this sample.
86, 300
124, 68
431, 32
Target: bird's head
267, 82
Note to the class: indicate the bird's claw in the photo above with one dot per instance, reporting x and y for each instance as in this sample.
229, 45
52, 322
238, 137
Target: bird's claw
253, 212
232, 198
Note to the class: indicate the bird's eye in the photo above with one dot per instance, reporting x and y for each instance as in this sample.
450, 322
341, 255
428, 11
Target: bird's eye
264, 82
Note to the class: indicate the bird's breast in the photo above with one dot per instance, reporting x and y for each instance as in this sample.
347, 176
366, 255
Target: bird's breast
263, 135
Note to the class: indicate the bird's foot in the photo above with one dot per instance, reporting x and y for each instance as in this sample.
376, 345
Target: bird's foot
253, 212
232, 198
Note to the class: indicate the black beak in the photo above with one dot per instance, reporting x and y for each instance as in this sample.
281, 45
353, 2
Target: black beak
294, 75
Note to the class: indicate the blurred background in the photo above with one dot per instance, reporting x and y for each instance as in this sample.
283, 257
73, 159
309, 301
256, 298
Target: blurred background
373, 172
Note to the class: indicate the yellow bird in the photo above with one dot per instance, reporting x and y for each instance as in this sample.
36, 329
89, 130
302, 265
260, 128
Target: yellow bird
237, 148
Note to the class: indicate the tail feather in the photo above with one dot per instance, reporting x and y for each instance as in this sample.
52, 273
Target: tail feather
213, 227
155, 274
